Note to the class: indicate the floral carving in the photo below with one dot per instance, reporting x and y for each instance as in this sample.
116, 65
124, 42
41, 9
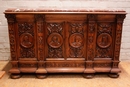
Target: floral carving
25, 28
55, 52
11, 21
54, 27
27, 53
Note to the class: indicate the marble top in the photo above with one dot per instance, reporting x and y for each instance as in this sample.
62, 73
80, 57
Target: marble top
17, 10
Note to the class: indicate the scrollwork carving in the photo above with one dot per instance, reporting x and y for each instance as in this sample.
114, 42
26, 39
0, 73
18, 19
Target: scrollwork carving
104, 28
54, 27
25, 28
76, 52
76, 28
27, 53
55, 52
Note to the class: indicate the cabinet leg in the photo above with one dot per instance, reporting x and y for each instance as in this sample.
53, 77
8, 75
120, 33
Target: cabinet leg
113, 75
15, 76
88, 75
41, 76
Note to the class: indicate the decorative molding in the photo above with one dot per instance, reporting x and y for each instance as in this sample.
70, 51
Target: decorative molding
102, 64
27, 65
65, 64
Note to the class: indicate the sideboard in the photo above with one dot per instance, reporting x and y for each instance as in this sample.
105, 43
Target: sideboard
64, 41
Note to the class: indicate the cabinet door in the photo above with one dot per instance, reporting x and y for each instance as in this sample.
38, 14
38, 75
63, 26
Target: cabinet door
76, 40
54, 48
65, 37
26, 37
105, 36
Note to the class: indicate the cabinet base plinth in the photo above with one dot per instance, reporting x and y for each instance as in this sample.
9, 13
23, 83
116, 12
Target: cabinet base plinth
41, 76
113, 75
88, 75
15, 76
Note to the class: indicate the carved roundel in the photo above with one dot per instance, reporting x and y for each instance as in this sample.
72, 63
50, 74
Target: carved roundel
104, 40
55, 40
26, 40
76, 40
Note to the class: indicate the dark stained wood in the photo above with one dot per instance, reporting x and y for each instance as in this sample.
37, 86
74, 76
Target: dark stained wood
64, 41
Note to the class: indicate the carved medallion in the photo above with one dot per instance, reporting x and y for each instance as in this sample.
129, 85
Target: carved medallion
76, 40
104, 40
55, 40
26, 40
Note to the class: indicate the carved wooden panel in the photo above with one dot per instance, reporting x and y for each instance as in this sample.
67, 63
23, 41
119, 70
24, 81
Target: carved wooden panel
104, 41
26, 40
55, 36
76, 39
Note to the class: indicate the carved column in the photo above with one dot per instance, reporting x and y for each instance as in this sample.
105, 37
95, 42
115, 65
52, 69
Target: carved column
119, 20
90, 44
14, 60
40, 45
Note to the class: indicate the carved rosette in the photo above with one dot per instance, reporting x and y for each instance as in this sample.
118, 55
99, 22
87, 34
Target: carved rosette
11, 27
76, 39
55, 40
104, 40
40, 41
26, 37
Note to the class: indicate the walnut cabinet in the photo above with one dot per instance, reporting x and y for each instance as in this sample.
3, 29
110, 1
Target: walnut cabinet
58, 41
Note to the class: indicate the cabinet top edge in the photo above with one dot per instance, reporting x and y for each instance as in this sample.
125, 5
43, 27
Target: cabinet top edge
63, 11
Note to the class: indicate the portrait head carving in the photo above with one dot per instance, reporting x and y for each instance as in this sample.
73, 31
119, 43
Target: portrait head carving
104, 40
55, 40
26, 40
76, 40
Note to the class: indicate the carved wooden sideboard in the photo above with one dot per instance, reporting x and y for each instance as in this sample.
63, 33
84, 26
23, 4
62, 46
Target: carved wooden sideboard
64, 41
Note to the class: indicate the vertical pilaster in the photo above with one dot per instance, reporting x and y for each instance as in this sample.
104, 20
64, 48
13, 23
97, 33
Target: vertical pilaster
40, 44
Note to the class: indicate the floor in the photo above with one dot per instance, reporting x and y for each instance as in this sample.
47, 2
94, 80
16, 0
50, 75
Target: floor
67, 80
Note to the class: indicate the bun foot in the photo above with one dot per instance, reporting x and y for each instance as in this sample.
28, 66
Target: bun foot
88, 75
15, 76
41, 76
113, 75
